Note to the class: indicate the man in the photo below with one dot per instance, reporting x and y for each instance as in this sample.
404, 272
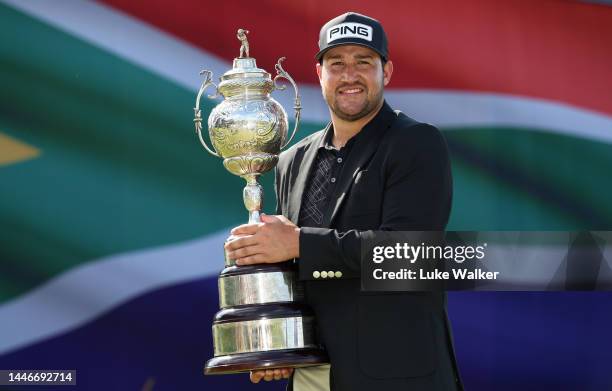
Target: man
370, 169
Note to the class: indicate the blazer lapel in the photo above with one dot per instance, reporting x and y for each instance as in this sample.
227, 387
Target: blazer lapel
299, 175
361, 154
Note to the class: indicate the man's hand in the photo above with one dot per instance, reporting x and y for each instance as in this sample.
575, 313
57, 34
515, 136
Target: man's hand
275, 239
269, 374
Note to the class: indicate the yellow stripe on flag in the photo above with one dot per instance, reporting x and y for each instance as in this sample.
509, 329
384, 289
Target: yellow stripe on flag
15, 151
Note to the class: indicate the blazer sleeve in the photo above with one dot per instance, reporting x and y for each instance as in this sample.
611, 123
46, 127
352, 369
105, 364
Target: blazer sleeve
417, 197
279, 206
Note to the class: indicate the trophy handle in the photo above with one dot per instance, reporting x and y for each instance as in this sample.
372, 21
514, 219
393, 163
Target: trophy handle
198, 113
297, 105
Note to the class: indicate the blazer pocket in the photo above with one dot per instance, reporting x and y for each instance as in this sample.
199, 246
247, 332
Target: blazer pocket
394, 340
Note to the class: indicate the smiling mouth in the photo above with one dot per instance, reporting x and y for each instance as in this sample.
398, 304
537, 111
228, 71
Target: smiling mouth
351, 91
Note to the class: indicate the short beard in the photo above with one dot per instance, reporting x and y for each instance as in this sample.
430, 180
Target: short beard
368, 108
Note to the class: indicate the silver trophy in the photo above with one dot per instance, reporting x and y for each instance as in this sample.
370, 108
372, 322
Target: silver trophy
262, 323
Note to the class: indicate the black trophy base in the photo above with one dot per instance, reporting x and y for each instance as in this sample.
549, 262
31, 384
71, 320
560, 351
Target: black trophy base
245, 362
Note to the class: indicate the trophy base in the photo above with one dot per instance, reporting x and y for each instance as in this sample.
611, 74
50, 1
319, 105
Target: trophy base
245, 362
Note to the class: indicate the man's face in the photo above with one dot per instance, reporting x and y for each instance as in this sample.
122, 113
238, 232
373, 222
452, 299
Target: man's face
352, 79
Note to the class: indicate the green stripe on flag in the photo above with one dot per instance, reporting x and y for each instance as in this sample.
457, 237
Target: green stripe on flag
526, 179
120, 170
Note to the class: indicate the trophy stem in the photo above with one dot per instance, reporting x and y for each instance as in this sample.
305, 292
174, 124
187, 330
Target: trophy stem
253, 197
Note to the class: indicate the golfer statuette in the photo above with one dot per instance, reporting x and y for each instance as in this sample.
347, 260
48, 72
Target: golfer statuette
262, 323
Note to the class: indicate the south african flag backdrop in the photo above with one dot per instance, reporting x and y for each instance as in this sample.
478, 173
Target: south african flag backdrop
113, 217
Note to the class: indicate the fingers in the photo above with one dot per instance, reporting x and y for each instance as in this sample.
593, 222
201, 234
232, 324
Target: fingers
244, 241
244, 250
245, 229
276, 375
252, 260
273, 240
256, 376
270, 374
251, 229
246, 255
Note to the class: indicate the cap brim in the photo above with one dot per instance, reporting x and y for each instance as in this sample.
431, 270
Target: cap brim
322, 52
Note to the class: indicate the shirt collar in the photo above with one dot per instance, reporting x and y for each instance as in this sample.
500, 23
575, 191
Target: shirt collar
380, 120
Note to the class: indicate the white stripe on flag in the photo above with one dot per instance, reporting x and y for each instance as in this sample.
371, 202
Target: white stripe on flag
87, 291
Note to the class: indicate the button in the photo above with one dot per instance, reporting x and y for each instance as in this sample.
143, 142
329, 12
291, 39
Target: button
330, 274
339, 160
333, 180
323, 274
338, 274
316, 274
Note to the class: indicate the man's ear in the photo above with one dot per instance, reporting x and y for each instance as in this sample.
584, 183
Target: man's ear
319, 69
387, 72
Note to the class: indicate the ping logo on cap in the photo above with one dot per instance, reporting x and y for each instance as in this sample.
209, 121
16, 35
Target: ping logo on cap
349, 30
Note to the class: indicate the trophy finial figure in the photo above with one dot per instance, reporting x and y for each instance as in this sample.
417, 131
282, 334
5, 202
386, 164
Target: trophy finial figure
244, 47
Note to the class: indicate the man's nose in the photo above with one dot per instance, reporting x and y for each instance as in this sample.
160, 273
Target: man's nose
349, 73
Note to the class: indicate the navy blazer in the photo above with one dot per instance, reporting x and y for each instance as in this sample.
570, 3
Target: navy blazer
396, 177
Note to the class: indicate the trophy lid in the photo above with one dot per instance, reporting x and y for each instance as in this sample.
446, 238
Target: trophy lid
244, 75
244, 67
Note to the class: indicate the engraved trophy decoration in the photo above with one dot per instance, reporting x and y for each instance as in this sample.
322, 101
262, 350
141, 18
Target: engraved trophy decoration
261, 324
